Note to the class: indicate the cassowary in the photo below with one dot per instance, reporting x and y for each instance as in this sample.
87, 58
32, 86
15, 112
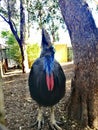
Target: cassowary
46, 81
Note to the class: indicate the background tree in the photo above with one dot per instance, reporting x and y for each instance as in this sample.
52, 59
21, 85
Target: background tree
46, 13
83, 104
22, 15
11, 14
14, 50
33, 50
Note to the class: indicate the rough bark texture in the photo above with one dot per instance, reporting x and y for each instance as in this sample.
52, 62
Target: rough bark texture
22, 37
83, 106
25, 67
2, 112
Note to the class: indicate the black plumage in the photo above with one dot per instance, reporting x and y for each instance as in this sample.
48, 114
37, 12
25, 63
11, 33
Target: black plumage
38, 87
46, 78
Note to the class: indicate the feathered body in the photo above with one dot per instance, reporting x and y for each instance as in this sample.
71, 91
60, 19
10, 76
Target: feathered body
46, 79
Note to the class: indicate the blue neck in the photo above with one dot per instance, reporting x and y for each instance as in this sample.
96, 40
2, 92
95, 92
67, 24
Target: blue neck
48, 64
49, 61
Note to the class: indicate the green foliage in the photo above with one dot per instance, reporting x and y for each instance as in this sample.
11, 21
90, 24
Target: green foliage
4, 34
14, 50
33, 51
14, 53
38, 14
70, 54
46, 13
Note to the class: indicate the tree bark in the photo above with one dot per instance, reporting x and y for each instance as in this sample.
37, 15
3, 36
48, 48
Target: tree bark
2, 112
83, 104
23, 37
24, 58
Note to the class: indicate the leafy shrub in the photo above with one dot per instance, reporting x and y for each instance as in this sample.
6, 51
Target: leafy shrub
70, 54
14, 53
33, 51
14, 50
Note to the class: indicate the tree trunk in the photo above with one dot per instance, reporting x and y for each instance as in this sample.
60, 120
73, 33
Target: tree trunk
2, 112
25, 67
83, 104
20, 39
23, 37
5, 65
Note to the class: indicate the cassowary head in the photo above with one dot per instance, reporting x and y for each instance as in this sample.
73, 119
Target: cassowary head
47, 48
46, 41
48, 54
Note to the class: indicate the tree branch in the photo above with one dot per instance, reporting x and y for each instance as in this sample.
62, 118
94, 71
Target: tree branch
14, 26
4, 18
14, 31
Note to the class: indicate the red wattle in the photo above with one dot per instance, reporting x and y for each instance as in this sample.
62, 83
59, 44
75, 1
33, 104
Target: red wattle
50, 82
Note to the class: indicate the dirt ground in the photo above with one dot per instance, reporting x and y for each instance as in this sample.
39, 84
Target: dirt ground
21, 110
